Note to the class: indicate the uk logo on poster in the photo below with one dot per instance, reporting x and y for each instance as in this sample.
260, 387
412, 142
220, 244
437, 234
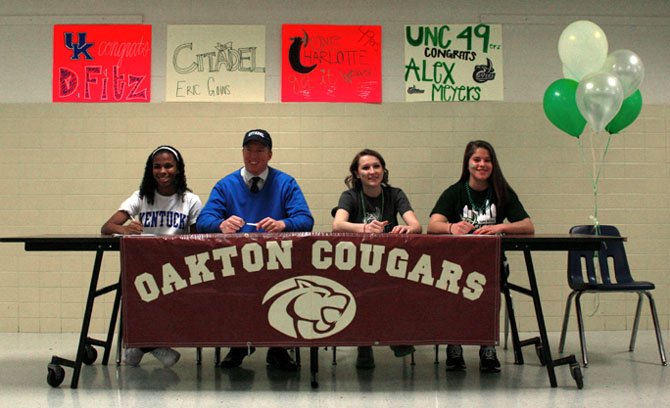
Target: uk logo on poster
101, 63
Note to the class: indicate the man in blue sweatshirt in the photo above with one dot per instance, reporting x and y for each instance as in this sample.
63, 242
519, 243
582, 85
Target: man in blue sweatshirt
256, 198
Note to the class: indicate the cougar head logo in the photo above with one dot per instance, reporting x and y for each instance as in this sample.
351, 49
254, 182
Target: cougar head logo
310, 307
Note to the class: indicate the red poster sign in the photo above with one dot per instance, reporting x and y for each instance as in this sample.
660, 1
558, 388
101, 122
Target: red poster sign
102, 63
309, 289
331, 63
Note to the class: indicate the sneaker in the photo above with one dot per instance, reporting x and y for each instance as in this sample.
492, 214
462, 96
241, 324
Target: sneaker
235, 356
278, 357
402, 351
134, 356
365, 359
167, 356
455, 360
488, 360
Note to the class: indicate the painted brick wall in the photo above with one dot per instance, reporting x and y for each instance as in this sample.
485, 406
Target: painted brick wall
67, 167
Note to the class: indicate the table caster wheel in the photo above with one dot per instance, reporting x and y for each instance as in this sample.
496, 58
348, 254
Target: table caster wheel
576, 373
90, 354
55, 375
539, 350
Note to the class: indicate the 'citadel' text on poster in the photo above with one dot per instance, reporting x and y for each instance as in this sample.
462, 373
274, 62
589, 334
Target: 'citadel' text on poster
215, 63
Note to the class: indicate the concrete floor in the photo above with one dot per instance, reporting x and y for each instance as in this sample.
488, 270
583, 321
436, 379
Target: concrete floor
614, 378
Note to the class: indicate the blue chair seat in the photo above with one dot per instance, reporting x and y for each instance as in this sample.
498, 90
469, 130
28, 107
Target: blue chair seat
615, 287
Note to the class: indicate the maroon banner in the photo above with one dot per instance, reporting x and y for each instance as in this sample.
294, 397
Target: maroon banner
310, 289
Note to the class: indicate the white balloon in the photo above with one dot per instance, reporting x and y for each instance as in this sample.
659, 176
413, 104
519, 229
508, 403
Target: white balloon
582, 48
628, 67
599, 98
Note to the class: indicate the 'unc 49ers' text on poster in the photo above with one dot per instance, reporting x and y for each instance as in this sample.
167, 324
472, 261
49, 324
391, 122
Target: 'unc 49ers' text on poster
102, 63
310, 289
453, 63
331, 63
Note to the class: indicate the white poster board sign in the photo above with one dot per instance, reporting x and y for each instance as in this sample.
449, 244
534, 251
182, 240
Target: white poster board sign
453, 63
215, 63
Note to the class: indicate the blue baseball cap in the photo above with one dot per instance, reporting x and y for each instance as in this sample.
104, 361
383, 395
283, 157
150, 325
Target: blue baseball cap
259, 135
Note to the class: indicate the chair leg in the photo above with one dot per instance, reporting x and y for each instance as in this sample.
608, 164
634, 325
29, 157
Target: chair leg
217, 355
657, 328
296, 354
506, 328
198, 355
580, 324
505, 276
437, 354
636, 322
334, 355
119, 344
566, 319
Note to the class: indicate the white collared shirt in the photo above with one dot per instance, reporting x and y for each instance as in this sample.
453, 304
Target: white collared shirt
248, 176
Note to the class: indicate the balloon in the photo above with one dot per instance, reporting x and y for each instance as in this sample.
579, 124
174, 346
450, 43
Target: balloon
560, 107
599, 98
628, 67
630, 109
582, 48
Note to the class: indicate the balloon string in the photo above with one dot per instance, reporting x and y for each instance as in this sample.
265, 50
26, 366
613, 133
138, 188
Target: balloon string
597, 171
583, 157
594, 182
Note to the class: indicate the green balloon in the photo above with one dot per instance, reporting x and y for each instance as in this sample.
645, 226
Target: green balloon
561, 109
630, 110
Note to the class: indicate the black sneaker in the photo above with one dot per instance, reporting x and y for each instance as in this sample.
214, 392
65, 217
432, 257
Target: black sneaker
488, 360
455, 360
365, 359
402, 351
235, 356
279, 358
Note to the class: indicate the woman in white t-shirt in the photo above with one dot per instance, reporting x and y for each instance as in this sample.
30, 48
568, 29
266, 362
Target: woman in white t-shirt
164, 205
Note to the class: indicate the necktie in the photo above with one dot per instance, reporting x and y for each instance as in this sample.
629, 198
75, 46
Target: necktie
254, 184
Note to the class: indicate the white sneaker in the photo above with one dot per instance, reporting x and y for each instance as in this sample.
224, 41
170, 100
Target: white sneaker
134, 356
167, 356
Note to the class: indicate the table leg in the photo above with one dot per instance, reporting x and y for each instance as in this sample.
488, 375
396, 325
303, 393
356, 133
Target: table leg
509, 307
545, 352
314, 365
112, 323
86, 353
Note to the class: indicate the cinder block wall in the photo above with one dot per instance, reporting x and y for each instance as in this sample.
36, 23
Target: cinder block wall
67, 167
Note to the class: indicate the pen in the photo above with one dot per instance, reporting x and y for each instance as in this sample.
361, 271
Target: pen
253, 224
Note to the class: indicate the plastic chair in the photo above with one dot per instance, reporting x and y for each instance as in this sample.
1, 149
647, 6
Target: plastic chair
596, 278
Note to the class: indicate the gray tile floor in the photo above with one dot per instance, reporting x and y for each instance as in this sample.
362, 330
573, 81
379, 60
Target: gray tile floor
615, 377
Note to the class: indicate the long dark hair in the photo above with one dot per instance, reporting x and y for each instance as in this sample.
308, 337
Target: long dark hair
354, 182
501, 187
148, 186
